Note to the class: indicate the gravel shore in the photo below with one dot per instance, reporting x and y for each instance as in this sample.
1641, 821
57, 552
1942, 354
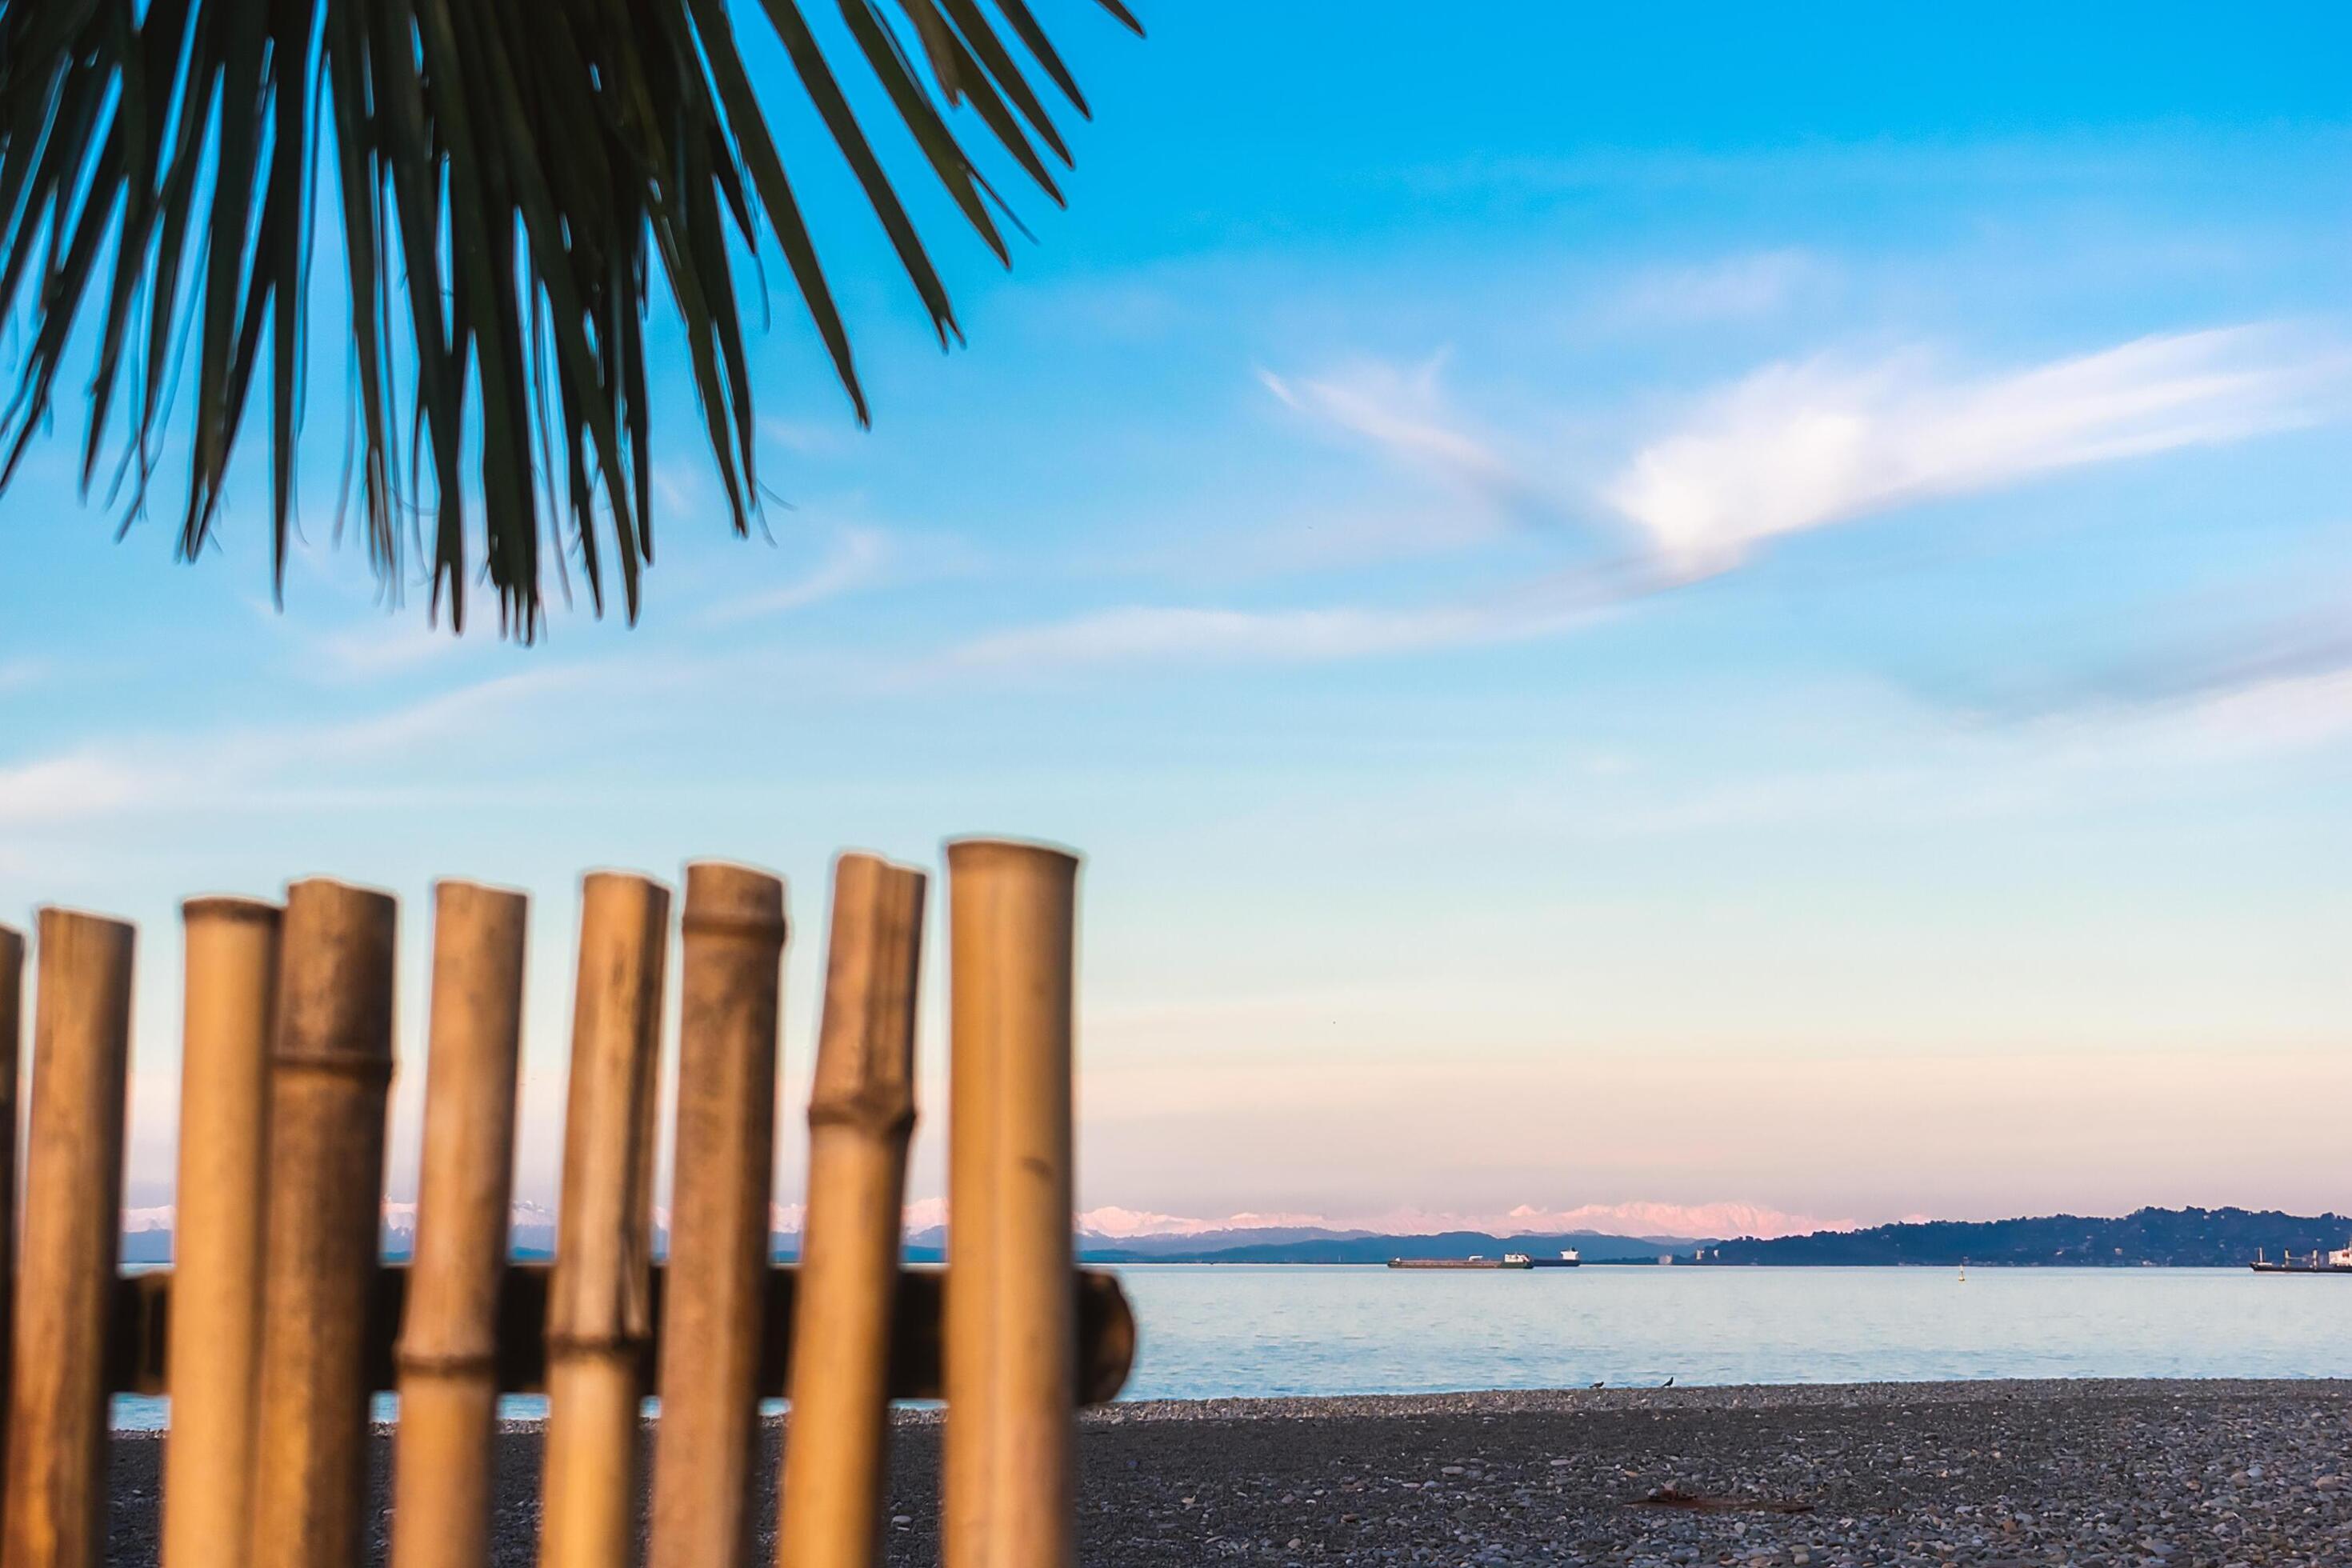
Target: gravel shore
2011, 1473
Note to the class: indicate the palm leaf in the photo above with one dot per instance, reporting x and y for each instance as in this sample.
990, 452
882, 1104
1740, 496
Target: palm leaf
511, 180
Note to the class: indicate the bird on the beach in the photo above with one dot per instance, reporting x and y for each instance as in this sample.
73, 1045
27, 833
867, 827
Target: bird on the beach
1668, 1383
1598, 1386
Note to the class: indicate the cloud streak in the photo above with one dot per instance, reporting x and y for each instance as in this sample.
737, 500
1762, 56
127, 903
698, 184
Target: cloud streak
1800, 445
859, 560
1790, 447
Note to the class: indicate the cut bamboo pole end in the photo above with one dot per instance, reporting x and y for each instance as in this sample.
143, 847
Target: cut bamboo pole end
600, 1306
330, 1074
72, 1221
861, 1112
12, 1045
1008, 1487
231, 948
448, 1343
704, 1448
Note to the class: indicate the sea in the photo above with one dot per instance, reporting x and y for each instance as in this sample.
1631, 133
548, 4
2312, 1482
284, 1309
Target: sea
1227, 1330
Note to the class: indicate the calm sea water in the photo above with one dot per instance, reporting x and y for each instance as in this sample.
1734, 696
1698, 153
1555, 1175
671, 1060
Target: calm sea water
1228, 1331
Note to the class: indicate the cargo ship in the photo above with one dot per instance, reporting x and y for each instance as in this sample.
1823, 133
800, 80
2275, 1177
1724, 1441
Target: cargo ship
1567, 1259
2312, 1262
1475, 1261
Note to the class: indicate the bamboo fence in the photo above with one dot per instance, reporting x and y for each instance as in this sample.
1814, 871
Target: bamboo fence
280, 1319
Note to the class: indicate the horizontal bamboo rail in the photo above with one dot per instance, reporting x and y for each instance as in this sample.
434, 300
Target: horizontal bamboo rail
138, 1353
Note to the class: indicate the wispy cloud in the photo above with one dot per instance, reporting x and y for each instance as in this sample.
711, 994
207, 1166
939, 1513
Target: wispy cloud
1803, 445
859, 558
1790, 447
22, 674
232, 767
1403, 412
386, 647
1731, 289
1144, 634
1159, 634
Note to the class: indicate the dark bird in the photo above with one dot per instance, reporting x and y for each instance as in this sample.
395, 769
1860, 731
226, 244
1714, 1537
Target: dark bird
1668, 1383
1596, 1385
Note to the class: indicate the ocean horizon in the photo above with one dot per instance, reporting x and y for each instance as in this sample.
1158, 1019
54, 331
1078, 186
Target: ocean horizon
1237, 1331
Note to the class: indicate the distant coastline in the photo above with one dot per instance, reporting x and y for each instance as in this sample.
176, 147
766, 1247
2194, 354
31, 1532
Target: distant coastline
2149, 1238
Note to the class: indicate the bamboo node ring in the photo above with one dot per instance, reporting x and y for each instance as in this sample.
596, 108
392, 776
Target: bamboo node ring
431, 1364
749, 928
367, 1069
864, 1115
596, 1347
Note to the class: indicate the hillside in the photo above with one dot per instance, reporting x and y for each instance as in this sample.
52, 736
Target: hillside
2169, 1239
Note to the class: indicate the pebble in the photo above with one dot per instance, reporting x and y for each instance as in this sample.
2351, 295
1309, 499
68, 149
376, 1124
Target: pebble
1980, 1474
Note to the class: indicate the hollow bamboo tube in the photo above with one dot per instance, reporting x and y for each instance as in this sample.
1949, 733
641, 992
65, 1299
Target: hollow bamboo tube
448, 1337
231, 991
73, 1220
600, 1305
861, 1112
725, 1169
12, 1039
329, 1072
1011, 1346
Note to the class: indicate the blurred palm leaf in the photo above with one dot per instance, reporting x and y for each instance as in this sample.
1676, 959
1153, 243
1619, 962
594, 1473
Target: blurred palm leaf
511, 176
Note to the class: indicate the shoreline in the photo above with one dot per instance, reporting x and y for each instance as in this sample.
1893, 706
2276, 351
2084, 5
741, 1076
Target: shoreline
2175, 1471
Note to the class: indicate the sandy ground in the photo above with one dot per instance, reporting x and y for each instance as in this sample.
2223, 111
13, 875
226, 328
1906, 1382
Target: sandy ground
2089, 1472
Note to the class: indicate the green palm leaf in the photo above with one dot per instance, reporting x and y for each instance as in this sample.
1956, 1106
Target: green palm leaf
512, 178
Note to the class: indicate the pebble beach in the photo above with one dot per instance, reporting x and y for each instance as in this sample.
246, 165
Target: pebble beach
2077, 1472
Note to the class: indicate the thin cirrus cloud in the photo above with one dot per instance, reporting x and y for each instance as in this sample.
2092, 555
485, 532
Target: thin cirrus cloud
1403, 412
1790, 447
859, 558
1805, 444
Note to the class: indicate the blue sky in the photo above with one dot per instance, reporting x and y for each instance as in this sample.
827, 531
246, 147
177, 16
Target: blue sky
1686, 608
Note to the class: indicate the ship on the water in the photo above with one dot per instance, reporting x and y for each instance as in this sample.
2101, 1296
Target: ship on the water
1569, 1258
2312, 1262
1475, 1261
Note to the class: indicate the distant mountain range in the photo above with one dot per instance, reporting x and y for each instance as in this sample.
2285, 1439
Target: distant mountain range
2164, 1239
1310, 1245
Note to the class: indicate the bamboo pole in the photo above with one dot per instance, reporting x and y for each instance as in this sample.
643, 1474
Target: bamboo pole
72, 1230
861, 1112
231, 991
600, 1306
1008, 1490
724, 1170
448, 1341
330, 1073
12, 1039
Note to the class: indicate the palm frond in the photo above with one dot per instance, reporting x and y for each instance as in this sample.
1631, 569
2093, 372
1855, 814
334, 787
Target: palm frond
509, 180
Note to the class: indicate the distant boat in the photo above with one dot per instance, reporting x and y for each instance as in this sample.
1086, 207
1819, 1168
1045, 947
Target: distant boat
1475, 1261
1567, 1259
2337, 1262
